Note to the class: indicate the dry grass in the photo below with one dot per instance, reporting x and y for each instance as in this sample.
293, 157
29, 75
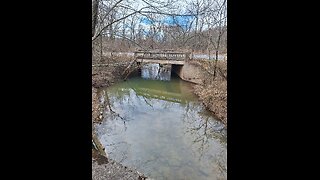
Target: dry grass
106, 71
213, 92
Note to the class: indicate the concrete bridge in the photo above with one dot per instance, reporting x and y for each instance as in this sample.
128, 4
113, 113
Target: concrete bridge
179, 61
162, 57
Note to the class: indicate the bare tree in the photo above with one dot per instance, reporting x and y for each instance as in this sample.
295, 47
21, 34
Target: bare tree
95, 4
199, 25
221, 31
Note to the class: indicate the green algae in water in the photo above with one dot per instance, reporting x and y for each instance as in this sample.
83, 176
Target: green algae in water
163, 131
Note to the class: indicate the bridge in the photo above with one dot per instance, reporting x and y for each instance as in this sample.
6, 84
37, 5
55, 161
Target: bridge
179, 62
162, 57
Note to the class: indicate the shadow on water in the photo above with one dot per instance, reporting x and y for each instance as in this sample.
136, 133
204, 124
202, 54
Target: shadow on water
162, 129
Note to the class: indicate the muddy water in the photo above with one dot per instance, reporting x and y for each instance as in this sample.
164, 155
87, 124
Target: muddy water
160, 128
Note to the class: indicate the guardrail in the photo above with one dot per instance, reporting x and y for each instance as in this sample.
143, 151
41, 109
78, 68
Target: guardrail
182, 56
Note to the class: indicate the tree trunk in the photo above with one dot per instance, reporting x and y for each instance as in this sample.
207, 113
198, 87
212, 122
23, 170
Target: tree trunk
217, 55
217, 51
215, 65
95, 4
101, 49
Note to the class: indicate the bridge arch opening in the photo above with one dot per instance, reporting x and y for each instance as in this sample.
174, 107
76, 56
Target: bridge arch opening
163, 62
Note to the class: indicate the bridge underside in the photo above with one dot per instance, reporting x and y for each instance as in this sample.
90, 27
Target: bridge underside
156, 61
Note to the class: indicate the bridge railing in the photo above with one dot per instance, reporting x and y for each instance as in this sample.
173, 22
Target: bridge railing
182, 56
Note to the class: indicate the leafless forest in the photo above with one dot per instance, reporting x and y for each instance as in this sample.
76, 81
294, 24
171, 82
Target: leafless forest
199, 26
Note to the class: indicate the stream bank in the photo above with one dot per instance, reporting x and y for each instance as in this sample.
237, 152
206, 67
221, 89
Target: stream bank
102, 166
108, 75
211, 91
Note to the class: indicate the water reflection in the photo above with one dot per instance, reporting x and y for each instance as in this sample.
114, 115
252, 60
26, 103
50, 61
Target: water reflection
163, 131
202, 130
156, 72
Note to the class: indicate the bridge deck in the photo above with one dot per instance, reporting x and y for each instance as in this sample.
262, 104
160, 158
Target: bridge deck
159, 61
162, 57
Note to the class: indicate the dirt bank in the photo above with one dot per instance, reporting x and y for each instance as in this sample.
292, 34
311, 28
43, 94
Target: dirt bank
213, 91
107, 71
103, 168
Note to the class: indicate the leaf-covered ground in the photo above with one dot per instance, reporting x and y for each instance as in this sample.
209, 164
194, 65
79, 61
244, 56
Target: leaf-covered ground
213, 91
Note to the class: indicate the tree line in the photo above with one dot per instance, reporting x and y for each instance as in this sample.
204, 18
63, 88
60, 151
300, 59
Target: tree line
127, 25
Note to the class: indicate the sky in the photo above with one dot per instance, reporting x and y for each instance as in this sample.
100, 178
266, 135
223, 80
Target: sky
170, 20
145, 22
